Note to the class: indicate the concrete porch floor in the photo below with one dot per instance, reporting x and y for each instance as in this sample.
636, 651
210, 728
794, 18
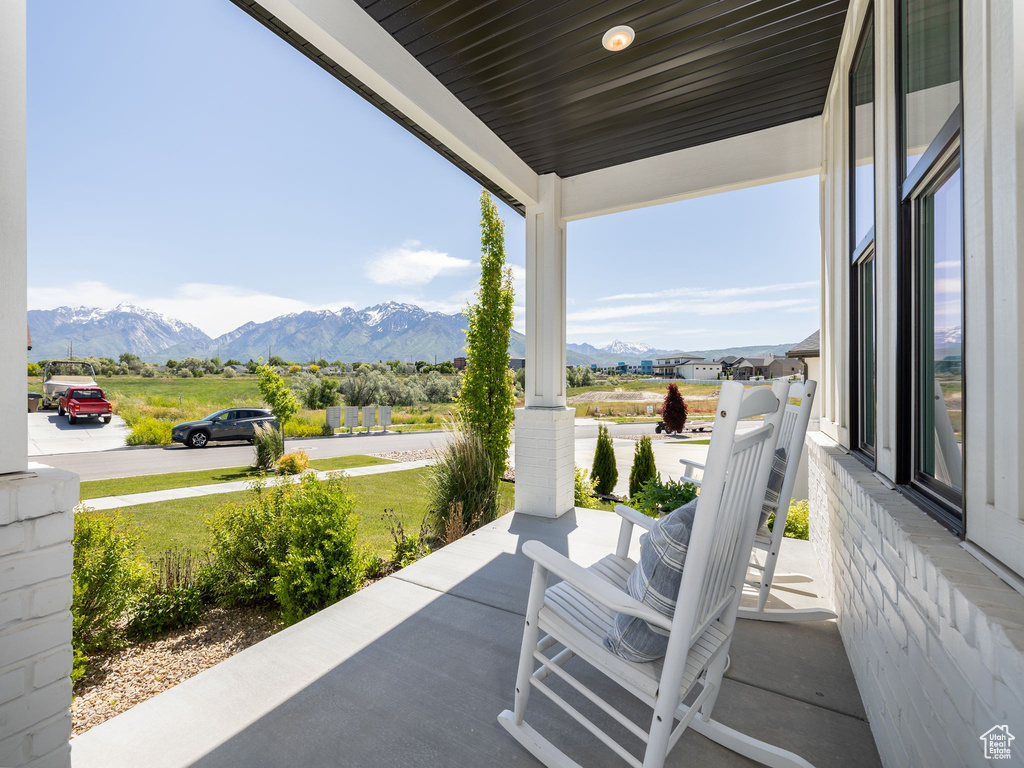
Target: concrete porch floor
413, 671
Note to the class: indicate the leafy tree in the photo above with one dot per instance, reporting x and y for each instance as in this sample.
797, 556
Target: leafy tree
604, 473
276, 361
643, 465
674, 410
322, 363
276, 394
436, 388
363, 387
172, 363
34, 370
317, 392
232, 361
447, 366
487, 401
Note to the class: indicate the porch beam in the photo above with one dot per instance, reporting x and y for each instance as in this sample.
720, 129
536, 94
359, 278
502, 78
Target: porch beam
344, 32
784, 152
13, 257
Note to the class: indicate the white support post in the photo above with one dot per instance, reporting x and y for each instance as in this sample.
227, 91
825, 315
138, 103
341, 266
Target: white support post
545, 428
13, 270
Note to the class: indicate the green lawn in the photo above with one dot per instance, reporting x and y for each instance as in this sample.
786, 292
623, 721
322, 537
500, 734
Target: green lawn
180, 523
98, 489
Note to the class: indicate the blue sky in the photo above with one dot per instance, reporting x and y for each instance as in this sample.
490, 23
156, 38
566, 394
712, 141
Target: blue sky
185, 159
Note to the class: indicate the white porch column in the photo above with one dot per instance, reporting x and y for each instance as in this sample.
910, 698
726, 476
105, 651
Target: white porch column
13, 426
545, 428
36, 518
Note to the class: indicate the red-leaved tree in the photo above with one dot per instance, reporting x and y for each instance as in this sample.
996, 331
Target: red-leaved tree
673, 410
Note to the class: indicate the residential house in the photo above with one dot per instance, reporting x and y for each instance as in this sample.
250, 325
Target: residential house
808, 352
459, 363
909, 115
728, 361
665, 367
646, 367
698, 369
517, 363
781, 367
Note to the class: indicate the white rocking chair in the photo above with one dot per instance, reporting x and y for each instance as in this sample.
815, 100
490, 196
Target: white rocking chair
765, 553
578, 611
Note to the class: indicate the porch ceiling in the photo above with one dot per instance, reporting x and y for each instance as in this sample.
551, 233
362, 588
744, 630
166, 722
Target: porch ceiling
699, 71
534, 72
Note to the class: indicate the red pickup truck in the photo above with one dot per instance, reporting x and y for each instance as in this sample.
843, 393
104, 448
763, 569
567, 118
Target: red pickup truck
83, 402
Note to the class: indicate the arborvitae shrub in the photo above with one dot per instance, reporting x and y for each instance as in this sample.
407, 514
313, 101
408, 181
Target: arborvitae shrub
604, 473
643, 465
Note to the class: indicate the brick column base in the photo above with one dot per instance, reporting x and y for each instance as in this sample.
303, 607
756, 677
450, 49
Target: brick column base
545, 460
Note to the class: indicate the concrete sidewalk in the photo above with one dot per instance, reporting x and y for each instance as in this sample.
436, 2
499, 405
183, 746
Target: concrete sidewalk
169, 494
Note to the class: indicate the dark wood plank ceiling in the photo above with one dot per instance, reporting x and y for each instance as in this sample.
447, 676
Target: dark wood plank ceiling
699, 70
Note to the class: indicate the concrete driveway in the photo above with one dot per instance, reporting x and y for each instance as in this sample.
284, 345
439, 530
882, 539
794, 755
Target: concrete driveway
50, 434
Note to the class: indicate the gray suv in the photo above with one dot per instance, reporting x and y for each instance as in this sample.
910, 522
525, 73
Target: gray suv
229, 424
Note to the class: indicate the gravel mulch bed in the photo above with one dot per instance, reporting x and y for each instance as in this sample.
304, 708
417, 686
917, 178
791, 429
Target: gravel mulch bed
423, 453
121, 679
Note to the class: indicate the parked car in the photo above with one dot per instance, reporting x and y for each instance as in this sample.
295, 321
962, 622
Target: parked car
84, 402
58, 375
229, 424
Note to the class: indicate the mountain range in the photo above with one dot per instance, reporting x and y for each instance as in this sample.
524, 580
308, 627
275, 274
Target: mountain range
386, 331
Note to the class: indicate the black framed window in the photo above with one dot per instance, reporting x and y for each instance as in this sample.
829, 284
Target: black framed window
930, 234
862, 239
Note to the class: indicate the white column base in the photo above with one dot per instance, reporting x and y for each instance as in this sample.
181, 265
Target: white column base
36, 526
545, 445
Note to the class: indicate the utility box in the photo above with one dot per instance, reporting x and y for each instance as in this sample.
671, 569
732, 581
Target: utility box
334, 416
351, 417
384, 416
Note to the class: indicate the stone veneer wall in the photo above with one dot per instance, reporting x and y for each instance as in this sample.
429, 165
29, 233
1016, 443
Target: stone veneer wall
935, 639
36, 526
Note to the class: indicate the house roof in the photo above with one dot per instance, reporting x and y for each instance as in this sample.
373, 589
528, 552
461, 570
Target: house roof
535, 73
809, 347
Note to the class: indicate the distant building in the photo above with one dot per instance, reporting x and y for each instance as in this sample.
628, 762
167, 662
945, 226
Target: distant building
666, 366
646, 367
769, 367
698, 369
459, 363
515, 363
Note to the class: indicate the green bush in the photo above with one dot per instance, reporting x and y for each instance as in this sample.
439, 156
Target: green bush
268, 446
321, 563
462, 486
107, 576
643, 465
656, 498
583, 489
173, 598
149, 431
604, 473
407, 549
292, 463
797, 521
34, 369
229, 373
293, 544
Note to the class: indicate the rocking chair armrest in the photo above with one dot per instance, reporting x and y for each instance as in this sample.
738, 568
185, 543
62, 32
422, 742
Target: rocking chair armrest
694, 464
630, 515
592, 585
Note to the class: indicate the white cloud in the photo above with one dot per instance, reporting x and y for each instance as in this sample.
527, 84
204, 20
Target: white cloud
411, 264
714, 293
214, 308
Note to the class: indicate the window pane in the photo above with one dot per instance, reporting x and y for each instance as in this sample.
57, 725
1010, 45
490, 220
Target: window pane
866, 343
931, 71
862, 92
940, 334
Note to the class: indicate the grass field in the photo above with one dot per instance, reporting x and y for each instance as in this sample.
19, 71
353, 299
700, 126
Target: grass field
121, 486
180, 523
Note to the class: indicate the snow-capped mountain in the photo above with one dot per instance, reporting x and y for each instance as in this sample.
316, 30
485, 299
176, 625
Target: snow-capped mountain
107, 332
627, 348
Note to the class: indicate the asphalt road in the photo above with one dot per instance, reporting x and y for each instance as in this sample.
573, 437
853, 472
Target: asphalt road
128, 462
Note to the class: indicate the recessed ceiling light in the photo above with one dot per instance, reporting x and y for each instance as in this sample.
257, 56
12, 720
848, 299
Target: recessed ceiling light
618, 38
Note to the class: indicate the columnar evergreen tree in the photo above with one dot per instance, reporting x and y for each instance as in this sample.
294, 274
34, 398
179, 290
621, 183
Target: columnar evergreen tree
643, 465
604, 473
487, 399
674, 410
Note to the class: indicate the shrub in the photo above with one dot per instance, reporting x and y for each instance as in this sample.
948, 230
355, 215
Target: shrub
291, 543
407, 549
292, 463
436, 388
294, 368
229, 373
797, 521
173, 599
184, 373
268, 446
149, 431
643, 465
313, 368
106, 576
673, 409
604, 473
321, 563
656, 498
583, 489
34, 370
462, 485
317, 392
